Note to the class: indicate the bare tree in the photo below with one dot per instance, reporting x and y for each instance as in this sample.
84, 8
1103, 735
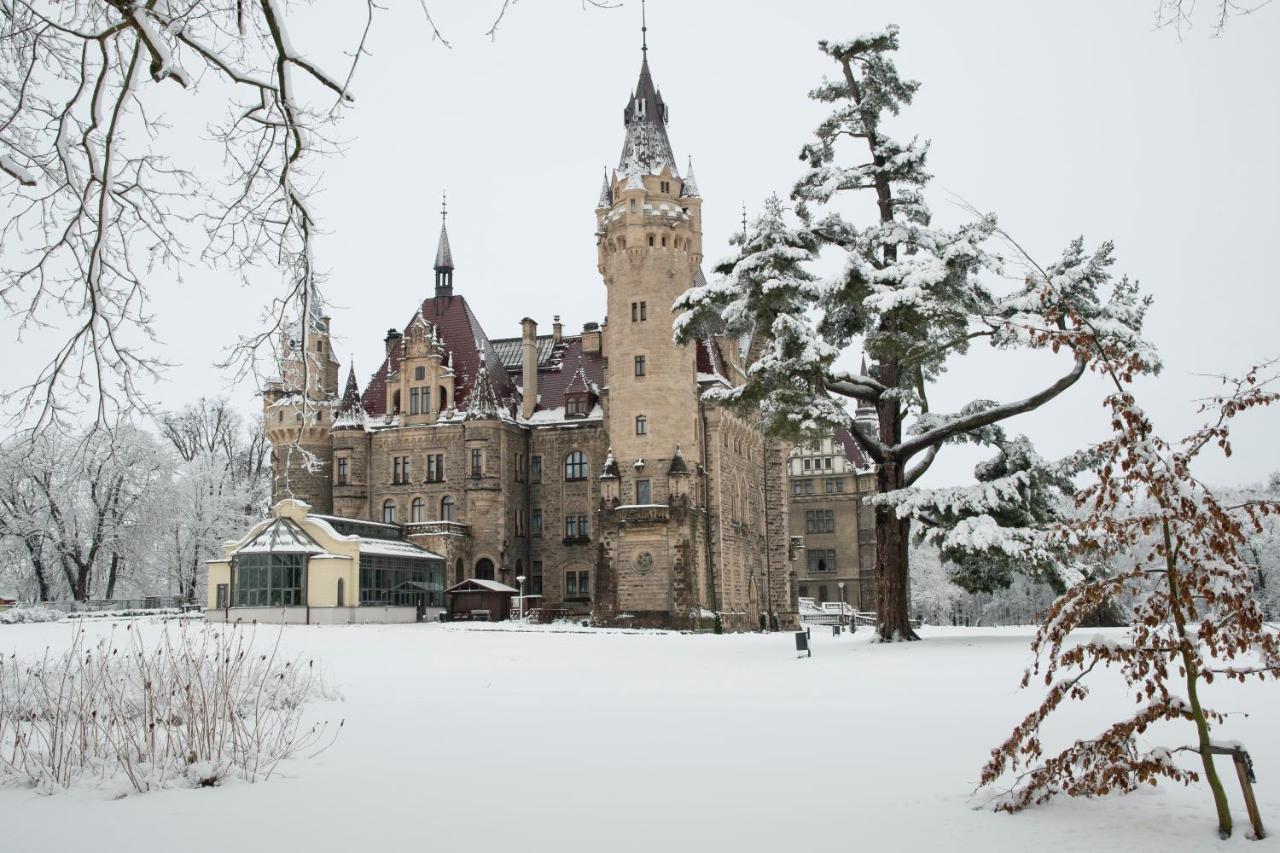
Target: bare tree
1180, 15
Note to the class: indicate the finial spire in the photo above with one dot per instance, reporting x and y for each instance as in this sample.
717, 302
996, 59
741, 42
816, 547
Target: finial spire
644, 31
444, 205
744, 219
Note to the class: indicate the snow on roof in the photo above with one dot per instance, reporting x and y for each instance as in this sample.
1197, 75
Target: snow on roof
387, 548
282, 535
492, 586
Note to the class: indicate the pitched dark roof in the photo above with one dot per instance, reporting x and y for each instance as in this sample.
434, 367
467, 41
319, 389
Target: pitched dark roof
852, 450
465, 344
709, 358
568, 373
511, 351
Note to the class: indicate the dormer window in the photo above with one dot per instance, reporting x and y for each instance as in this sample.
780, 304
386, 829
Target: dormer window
577, 405
665, 186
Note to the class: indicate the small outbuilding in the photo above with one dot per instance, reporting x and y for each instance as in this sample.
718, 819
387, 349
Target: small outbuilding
480, 600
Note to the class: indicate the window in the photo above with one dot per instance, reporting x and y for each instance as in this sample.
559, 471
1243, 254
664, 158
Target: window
635, 311
269, 580
808, 464
575, 527
389, 511
821, 560
797, 488
416, 511
644, 311
575, 466
342, 470
804, 590
535, 469
633, 205
425, 394
639, 365
477, 462
419, 373
577, 406
808, 487
644, 494
536, 522
819, 521
535, 577
826, 463
650, 240
484, 569
830, 486
520, 531
399, 470
435, 467
577, 584
519, 467
446, 508
413, 401
642, 425
402, 581
665, 186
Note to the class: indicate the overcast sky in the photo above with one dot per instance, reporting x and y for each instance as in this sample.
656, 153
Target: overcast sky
1063, 118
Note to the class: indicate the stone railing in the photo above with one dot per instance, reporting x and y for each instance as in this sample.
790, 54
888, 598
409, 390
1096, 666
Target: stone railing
642, 514
437, 528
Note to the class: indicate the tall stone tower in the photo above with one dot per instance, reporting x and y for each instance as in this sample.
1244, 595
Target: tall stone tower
298, 411
649, 239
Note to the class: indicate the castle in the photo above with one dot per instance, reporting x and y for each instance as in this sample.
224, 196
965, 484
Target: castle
591, 465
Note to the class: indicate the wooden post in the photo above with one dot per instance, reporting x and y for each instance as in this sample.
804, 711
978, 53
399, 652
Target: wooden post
1246, 787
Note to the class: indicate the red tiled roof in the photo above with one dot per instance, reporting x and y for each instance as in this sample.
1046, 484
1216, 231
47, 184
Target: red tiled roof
464, 339
554, 381
709, 357
852, 450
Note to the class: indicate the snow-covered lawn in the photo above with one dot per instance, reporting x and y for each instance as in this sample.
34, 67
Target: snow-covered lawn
486, 738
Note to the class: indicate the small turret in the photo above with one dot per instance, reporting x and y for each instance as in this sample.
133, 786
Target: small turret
444, 256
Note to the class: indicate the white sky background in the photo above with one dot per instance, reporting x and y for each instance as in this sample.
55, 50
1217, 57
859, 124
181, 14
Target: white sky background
1063, 118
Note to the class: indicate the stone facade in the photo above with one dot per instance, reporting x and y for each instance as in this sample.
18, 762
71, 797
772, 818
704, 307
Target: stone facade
591, 465
828, 481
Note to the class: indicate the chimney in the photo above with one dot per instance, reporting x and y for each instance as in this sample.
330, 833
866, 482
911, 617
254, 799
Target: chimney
556, 330
529, 363
591, 337
393, 338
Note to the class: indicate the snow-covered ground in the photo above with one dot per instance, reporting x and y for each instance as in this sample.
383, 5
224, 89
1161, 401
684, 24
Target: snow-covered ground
486, 738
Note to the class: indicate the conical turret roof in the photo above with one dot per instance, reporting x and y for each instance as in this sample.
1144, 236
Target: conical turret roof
444, 255
646, 149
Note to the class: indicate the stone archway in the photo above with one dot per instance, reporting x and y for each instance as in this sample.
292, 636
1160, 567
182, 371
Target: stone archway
484, 569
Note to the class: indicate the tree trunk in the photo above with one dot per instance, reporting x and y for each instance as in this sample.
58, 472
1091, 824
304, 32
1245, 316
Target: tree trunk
112, 574
37, 566
893, 620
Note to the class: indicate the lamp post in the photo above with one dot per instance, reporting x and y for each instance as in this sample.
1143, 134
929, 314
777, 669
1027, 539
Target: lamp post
842, 604
520, 580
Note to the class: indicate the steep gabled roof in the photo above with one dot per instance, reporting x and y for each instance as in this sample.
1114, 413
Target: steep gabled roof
467, 349
574, 366
852, 450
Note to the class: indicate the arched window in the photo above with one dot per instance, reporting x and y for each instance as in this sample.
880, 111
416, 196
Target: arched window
443, 398
395, 403
389, 511
484, 569
458, 571
446, 508
575, 466
416, 511
342, 593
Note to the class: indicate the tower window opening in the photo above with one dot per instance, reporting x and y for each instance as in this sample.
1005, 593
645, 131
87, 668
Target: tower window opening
642, 425
665, 186
644, 311
650, 239
664, 242
633, 205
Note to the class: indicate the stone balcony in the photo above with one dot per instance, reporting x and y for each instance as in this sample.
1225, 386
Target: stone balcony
437, 528
636, 515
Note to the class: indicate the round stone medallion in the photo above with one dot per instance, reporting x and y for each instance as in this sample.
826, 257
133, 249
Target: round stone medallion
644, 562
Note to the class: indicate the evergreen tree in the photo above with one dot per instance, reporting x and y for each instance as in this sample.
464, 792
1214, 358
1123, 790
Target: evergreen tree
911, 293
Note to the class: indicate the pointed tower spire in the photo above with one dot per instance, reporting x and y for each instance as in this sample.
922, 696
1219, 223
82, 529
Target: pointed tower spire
646, 149
444, 255
606, 193
690, 188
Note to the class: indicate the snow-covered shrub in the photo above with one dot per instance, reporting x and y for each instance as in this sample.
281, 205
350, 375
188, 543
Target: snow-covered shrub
20, 615
195, 707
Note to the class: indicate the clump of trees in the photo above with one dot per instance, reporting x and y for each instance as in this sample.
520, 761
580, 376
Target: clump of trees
120, 513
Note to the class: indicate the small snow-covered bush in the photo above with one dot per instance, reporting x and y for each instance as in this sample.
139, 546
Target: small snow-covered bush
195, 707
20, 615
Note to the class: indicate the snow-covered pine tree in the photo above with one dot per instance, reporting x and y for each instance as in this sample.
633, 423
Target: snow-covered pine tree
910, 292
1194, 615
